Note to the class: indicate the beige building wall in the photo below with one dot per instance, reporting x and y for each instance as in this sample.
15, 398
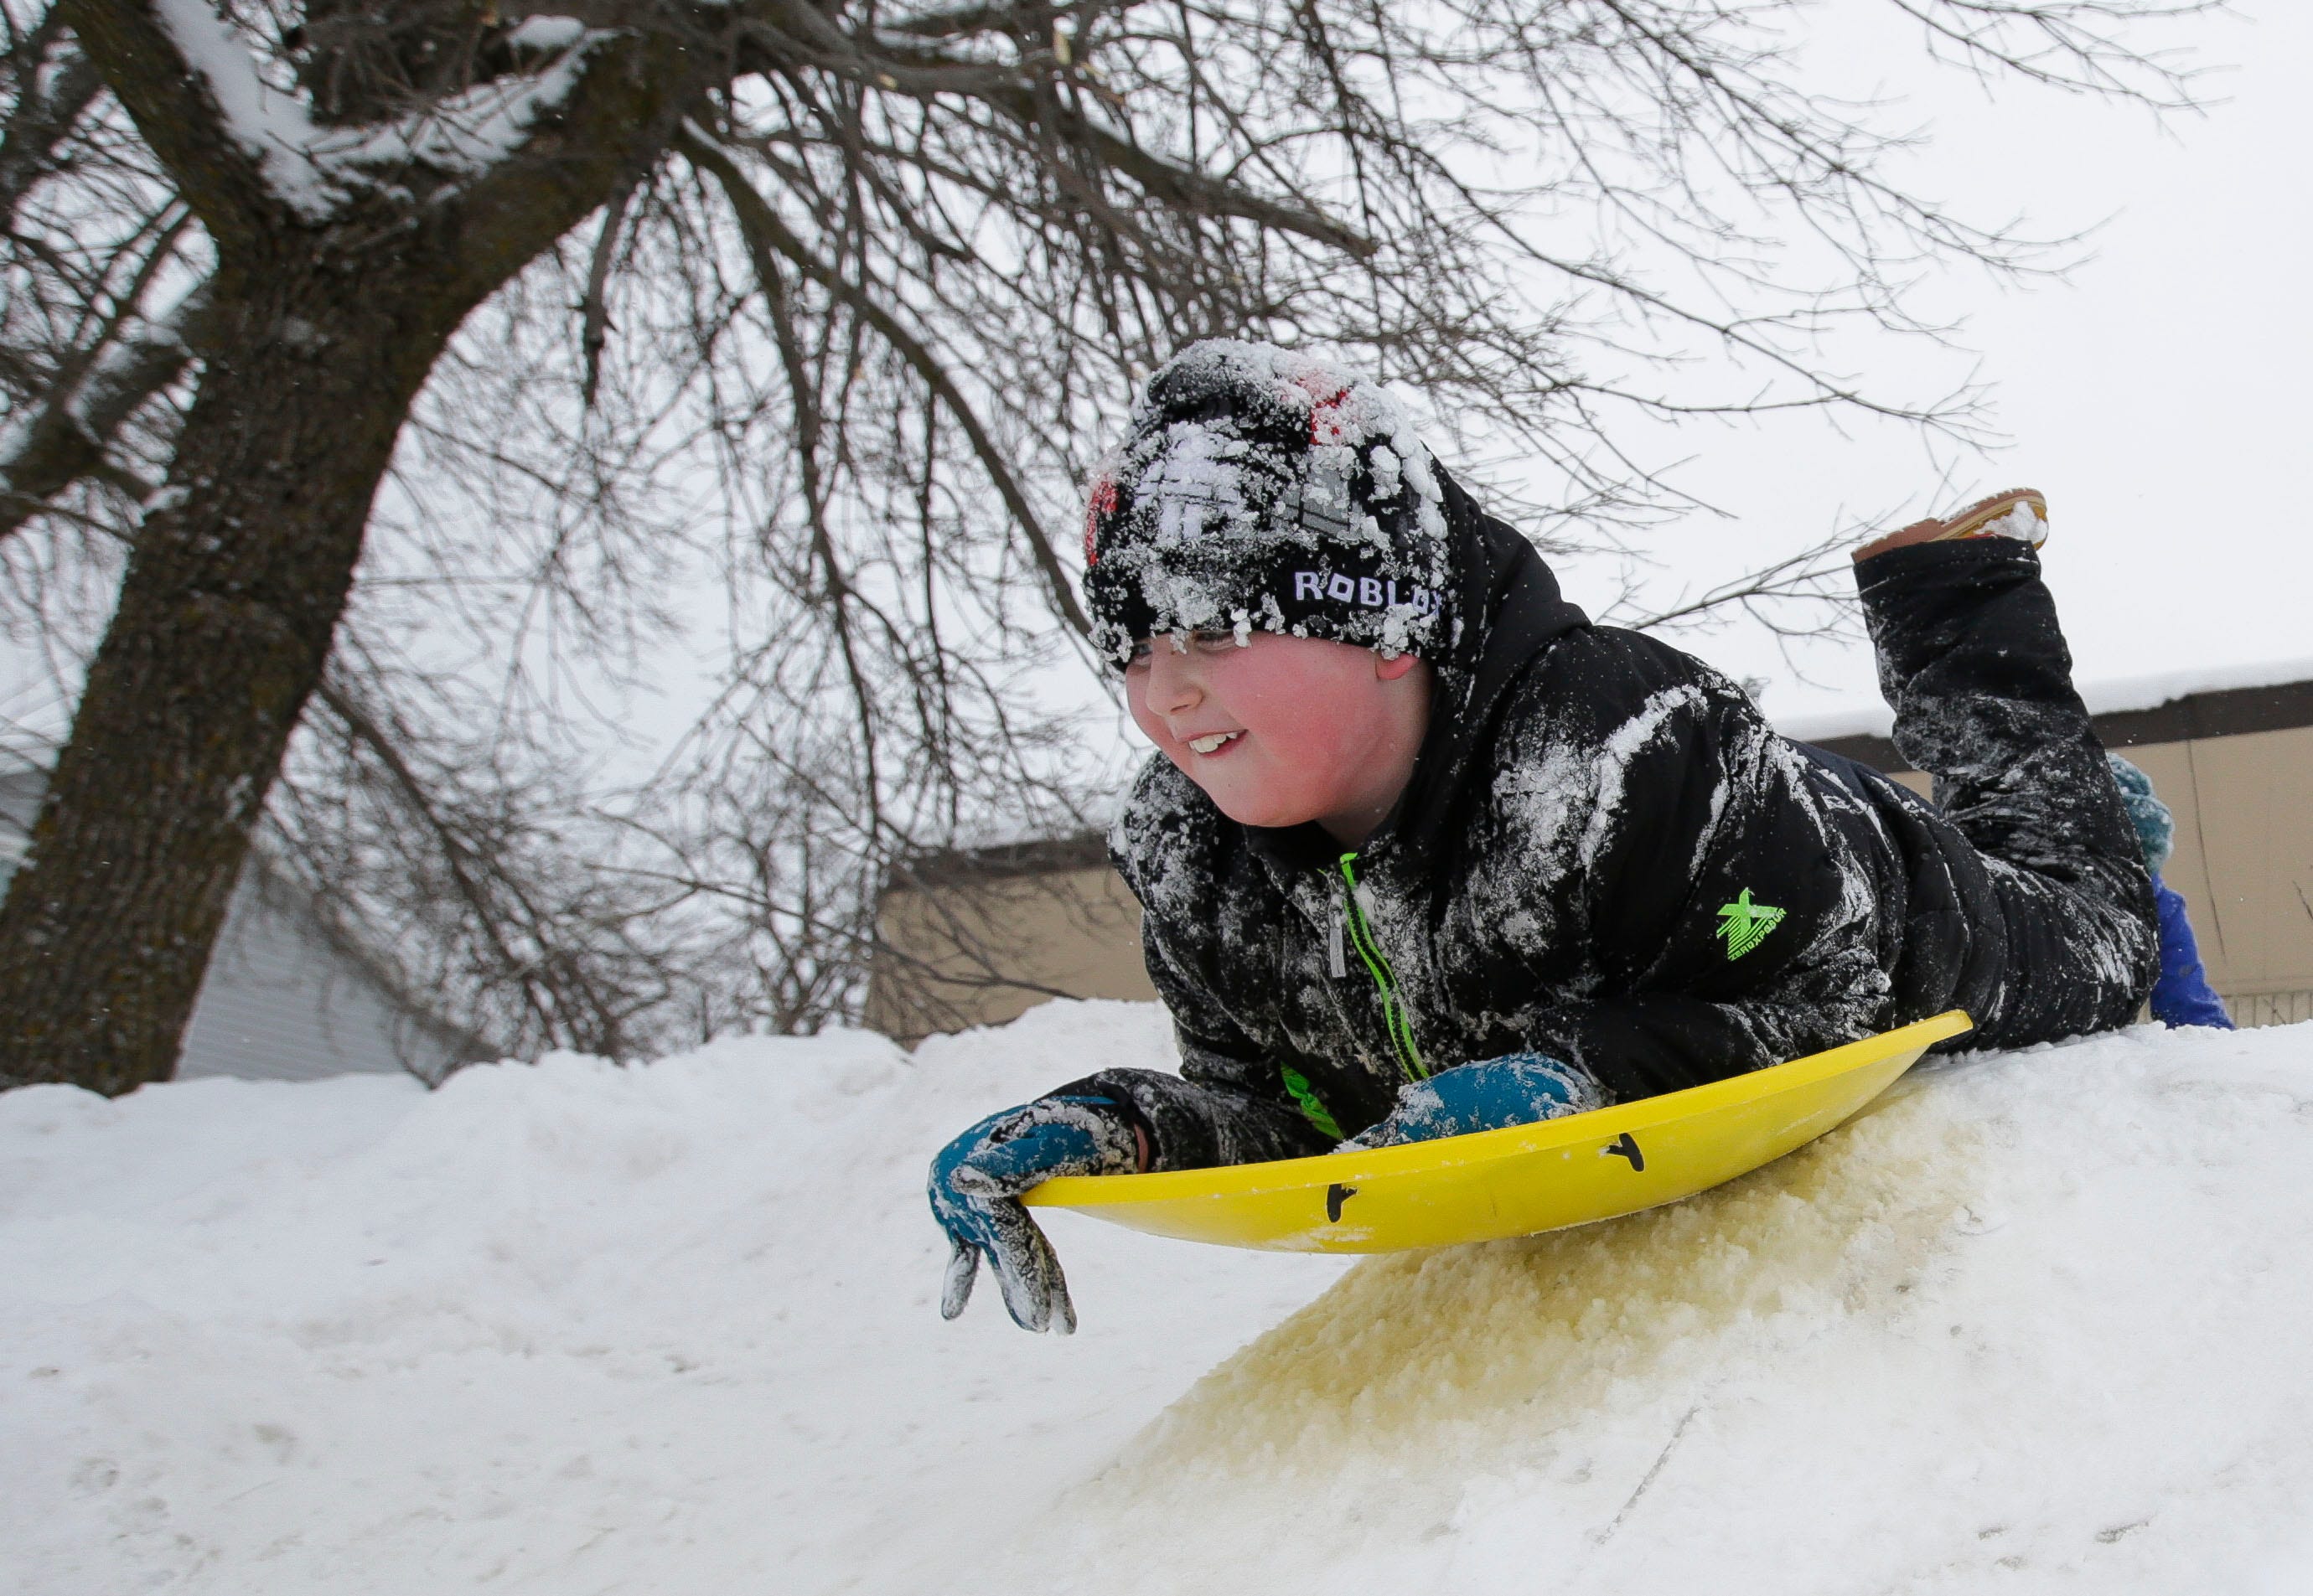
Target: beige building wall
2244, 863
961, 952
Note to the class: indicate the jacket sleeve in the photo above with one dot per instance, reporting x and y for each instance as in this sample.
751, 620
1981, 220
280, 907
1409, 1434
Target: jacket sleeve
1227, 1105
1727, 912
1233, 1101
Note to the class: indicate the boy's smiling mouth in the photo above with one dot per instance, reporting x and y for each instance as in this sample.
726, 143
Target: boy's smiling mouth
1212, 742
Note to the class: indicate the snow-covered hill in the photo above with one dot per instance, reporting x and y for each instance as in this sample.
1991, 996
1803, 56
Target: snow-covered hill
2036, 1321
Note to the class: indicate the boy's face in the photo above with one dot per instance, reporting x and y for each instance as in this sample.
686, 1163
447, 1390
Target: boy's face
1281, 730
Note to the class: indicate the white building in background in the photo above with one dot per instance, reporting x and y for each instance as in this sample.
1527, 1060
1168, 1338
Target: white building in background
286, 998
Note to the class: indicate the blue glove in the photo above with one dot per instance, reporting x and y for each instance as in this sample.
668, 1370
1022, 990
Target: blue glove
1492, 1094
2155, 827
975, 1188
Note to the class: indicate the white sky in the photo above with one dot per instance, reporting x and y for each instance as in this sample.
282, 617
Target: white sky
2159, 397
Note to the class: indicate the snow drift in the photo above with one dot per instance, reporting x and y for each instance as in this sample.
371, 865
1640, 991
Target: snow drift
2037, 1320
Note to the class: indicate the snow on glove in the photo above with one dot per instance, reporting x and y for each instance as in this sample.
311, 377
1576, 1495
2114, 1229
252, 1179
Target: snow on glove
975, 1187
1492, 1094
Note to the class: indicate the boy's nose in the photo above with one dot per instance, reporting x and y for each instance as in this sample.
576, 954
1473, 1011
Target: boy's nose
1171, 685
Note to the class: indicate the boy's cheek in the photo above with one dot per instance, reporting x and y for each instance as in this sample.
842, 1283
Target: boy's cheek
1149, 725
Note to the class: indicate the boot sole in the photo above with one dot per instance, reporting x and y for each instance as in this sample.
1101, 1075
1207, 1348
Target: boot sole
1969, 522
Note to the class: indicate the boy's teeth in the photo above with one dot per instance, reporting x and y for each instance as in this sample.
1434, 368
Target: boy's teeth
1206, 745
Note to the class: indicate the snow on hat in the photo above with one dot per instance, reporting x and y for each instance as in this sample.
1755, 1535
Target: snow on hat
1257, 488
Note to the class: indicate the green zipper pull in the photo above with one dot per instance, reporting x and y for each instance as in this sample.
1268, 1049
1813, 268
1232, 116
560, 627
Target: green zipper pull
1393, 1007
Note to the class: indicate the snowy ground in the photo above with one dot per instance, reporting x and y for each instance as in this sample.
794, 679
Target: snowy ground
2038, 1321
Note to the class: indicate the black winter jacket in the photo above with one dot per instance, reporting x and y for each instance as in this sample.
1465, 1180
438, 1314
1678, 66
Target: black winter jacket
1604, 854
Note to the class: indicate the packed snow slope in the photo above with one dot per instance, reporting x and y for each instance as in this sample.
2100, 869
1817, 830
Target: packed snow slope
2036, 1322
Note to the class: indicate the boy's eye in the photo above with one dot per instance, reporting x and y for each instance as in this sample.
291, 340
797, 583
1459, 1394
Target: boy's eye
1181, 643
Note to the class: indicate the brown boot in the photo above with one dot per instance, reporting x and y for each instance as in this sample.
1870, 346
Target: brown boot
2020, 513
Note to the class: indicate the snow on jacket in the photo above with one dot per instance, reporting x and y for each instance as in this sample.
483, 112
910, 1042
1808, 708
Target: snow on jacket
1604, 854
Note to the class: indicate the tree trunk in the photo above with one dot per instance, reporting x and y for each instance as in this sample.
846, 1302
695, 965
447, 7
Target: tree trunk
323, 330
224, 623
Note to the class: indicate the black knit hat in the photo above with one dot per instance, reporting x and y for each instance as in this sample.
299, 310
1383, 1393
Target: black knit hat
1262, 490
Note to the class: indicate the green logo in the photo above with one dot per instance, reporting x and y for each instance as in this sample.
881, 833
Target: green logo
1313, 1107
1745, 923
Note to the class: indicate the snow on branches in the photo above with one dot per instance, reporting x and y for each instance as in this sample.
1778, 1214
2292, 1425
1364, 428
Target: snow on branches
315, 170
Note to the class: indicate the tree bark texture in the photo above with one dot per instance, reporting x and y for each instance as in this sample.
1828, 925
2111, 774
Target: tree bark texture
223, 624
323, 336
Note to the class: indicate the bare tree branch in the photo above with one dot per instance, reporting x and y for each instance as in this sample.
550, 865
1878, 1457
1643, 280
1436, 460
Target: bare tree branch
67, 438
765, 231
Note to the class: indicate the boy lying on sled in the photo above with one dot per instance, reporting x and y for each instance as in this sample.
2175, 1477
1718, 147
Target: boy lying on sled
1425, 852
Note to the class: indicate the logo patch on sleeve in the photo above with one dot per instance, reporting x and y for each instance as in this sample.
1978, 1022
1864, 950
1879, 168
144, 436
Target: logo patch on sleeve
1745, 923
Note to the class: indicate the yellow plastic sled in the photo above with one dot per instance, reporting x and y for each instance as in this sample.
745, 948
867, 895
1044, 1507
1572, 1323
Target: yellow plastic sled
1513, 1182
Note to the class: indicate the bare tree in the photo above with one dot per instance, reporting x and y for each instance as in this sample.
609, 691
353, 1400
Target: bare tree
863, 284
353, 230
